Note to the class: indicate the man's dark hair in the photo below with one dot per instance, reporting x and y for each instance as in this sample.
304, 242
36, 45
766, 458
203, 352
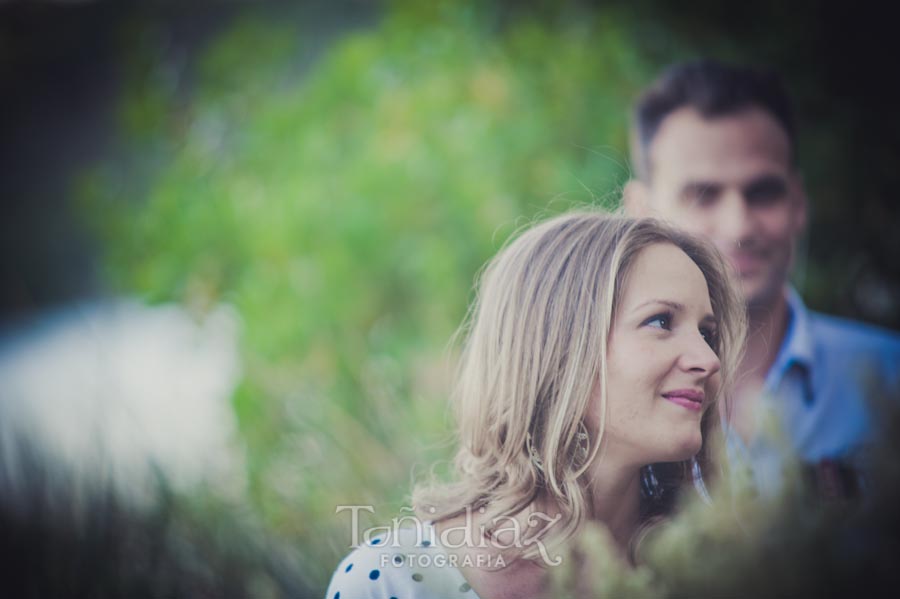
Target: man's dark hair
713, 89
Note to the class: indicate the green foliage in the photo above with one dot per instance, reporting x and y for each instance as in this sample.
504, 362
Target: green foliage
344, 210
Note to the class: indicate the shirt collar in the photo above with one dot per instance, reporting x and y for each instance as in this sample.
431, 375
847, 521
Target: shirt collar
797, 345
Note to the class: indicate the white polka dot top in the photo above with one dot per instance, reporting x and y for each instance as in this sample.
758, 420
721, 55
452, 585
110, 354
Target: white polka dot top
407, 565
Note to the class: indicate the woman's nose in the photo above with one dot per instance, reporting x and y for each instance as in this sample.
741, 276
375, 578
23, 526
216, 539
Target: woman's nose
697, 356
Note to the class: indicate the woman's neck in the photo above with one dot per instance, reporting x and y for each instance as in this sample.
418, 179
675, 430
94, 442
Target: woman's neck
615, 497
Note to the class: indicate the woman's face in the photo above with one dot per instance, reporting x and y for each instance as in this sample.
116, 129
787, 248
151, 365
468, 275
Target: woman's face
659, 361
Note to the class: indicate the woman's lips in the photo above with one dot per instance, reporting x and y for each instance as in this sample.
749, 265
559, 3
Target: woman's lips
686, 398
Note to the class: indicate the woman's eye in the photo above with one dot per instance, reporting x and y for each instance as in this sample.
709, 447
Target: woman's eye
659, 321
709, 335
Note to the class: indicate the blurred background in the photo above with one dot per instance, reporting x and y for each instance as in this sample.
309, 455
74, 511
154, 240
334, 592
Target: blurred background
237, 237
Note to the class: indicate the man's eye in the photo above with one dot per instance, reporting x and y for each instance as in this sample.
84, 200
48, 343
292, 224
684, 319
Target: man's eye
766, 192
659, 321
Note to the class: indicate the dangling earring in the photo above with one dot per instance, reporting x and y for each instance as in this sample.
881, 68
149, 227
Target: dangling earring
583, 450
699, 484
535, 458
650, 487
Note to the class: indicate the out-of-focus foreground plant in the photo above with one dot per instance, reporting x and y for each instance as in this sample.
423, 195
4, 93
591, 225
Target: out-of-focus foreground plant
798, 542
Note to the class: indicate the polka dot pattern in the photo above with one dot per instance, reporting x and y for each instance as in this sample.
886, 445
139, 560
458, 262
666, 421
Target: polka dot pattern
392, 567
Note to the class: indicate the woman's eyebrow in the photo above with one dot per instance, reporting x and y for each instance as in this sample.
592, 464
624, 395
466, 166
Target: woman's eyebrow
674, 305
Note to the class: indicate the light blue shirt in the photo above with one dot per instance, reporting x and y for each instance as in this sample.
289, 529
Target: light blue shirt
820, 390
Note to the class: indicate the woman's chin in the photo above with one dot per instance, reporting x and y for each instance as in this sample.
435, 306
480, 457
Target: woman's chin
686, 449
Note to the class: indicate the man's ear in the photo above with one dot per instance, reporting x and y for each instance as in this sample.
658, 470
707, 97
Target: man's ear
636, 198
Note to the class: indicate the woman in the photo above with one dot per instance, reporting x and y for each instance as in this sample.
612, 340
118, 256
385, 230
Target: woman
596, 354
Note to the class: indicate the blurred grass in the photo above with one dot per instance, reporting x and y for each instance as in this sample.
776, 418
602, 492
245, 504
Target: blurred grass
344, 208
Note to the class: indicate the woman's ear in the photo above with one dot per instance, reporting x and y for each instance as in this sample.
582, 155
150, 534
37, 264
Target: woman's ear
636, 198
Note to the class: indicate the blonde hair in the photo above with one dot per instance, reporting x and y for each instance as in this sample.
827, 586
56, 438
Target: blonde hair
535, 346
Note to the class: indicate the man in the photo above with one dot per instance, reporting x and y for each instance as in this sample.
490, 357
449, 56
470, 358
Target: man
714, 148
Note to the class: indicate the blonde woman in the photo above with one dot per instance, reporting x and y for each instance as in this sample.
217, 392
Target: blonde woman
596, 356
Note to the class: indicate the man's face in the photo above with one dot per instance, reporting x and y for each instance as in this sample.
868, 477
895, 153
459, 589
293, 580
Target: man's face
731, 179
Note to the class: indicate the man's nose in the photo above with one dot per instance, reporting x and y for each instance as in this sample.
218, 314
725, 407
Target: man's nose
697, 356
735, 223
